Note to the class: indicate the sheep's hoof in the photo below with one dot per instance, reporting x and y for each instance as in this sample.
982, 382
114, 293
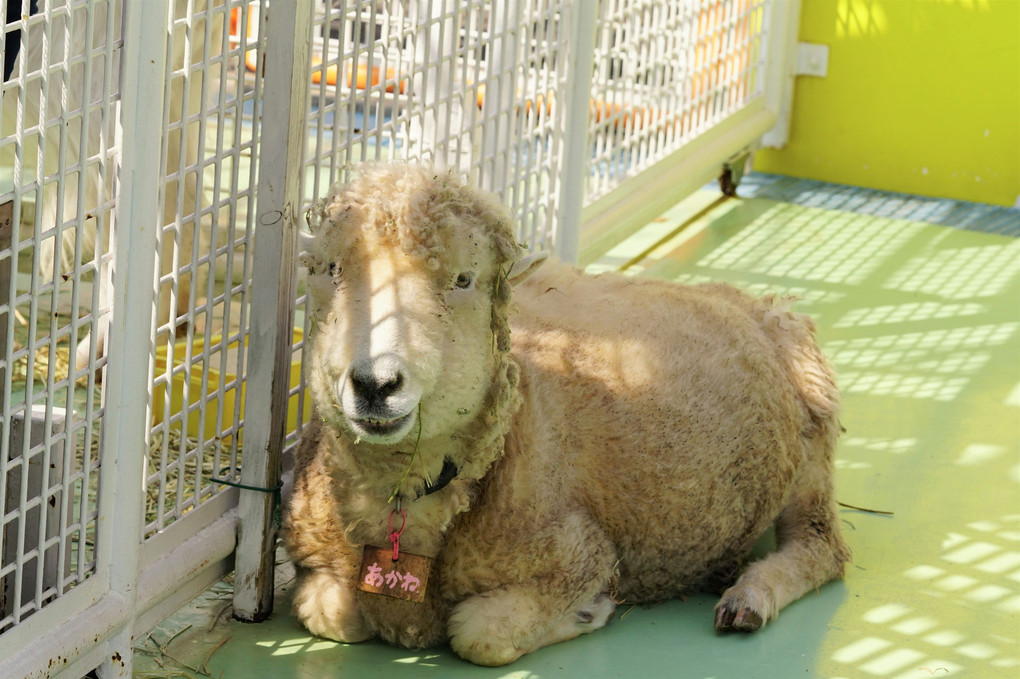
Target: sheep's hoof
742, 620
596, 614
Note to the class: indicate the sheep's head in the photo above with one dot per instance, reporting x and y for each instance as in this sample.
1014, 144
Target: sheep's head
409, 280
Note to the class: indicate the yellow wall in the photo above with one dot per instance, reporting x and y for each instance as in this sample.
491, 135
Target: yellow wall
922, 96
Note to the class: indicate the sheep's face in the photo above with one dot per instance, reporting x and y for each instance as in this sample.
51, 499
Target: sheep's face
402, 335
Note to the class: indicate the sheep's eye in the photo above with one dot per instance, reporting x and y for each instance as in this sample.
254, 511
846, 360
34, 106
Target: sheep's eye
335, 270
464, 280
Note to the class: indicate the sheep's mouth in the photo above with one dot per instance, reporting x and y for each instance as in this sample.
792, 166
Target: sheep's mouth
382, 428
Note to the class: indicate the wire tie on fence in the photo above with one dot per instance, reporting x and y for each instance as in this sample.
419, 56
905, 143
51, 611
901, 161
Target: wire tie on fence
275, 490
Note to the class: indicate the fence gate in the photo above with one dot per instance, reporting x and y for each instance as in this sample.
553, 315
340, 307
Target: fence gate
143, 286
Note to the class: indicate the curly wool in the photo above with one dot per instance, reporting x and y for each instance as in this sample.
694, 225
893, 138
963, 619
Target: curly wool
409, 204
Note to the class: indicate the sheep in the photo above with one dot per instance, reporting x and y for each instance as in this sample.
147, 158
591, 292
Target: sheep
608, 439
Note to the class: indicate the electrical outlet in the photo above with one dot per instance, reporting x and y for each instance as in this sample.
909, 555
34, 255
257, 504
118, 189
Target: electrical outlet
812, 59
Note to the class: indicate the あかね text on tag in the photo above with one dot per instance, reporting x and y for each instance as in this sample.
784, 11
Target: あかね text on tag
405, 578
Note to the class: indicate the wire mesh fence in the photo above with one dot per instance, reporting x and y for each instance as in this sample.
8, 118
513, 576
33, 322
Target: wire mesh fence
204, 250
465, 85
57, 172
59, 154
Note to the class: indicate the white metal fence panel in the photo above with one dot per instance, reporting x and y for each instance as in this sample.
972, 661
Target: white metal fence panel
136, 155
213, 105
57, 173
469, 86
143, 286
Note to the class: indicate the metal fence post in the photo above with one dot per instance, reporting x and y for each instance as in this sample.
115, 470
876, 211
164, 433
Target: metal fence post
784, 18
283, 104
128, 371
574, 125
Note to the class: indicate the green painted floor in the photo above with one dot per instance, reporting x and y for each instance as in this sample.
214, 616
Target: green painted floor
923, 325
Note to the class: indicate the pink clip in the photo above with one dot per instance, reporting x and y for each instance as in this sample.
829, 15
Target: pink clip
395, 534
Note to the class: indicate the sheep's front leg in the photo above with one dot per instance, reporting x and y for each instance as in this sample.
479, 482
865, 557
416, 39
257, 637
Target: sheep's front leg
327, 567
325, 604
566, 596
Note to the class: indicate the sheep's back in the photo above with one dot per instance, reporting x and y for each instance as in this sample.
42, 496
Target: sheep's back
671, 406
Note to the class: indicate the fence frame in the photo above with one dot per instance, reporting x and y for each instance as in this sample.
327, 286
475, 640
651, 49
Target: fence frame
134, 586
272, 322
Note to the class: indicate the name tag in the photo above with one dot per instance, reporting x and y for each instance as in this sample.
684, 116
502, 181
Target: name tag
405, 578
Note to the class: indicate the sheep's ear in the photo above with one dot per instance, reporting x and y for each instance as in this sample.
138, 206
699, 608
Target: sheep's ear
525, 266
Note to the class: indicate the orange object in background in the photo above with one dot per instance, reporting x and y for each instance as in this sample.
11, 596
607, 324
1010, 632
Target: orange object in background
359, 79
250, 56
710, 71
545, 101
603, 110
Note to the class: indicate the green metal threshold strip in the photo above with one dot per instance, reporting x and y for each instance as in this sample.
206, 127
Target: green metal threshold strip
700, 214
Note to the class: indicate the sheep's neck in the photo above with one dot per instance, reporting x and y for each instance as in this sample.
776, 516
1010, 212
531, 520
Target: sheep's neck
467, 456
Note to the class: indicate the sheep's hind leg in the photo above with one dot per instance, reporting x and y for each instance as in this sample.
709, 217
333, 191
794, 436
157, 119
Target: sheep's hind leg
810, 553
499, 626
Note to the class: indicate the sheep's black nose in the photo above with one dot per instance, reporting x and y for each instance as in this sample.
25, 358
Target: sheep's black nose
373, 380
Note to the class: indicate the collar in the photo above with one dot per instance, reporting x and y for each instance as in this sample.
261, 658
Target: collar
448, 473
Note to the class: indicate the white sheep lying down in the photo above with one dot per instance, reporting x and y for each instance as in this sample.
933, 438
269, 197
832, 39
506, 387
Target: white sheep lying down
598, 439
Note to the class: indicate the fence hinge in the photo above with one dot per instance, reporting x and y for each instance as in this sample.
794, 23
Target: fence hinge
733, 171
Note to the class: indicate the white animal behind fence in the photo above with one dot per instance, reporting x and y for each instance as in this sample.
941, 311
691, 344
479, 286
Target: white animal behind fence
61, 76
